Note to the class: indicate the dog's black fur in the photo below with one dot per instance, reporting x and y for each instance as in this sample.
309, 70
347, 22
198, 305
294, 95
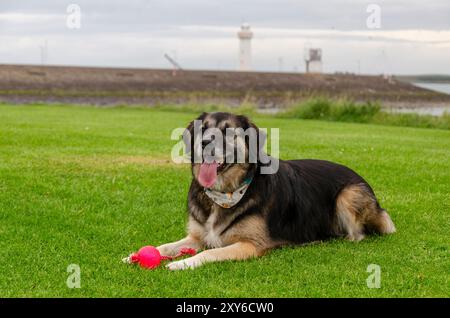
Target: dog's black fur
303, 207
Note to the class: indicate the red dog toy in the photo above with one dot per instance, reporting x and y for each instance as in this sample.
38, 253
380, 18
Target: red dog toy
149, 256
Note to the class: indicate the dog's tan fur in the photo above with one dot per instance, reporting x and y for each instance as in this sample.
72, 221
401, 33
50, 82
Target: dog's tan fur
236, 243
237, 251
357, 210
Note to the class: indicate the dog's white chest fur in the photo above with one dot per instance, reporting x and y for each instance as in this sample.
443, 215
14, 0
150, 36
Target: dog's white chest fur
212, 234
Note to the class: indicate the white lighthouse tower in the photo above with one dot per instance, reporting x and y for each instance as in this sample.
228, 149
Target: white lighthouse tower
245, 47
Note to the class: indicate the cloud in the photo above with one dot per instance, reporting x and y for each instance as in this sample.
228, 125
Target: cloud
202, 33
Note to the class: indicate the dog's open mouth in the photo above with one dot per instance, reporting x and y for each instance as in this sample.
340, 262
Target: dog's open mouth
207, 175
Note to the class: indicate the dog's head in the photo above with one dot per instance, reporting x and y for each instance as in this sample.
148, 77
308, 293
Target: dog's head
224, 149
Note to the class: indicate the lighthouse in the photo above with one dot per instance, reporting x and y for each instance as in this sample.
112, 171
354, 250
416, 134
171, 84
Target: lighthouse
245, 47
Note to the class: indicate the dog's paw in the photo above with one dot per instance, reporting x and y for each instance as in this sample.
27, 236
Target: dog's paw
355, 237
188, 263
168, 250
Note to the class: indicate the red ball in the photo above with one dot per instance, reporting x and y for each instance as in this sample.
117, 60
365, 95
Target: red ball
148, 257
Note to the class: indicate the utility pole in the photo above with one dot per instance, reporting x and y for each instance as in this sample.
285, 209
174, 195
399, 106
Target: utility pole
43, 49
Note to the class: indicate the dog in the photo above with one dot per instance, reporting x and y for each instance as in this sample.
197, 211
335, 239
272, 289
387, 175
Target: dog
236, 212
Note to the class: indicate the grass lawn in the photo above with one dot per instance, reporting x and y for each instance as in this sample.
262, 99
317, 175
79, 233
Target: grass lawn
87, 186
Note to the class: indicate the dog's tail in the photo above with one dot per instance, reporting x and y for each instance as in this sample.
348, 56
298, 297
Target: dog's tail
382, 223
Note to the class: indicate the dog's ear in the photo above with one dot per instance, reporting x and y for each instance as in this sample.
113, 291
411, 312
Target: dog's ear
262, 138
261, 135
188, 135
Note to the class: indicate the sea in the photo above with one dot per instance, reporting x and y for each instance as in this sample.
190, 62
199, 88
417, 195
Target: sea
438, 87
429, 110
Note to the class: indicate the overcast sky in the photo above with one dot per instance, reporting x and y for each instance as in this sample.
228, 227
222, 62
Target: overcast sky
414, 36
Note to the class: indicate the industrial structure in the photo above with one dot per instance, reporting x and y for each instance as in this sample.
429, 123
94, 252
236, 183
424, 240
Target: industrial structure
245, 47
175, 65
313, 61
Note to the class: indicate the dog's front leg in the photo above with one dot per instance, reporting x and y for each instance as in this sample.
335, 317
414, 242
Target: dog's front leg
236, 251
172, 249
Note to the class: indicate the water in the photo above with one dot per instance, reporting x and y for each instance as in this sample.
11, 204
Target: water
425, 110
435, 111
438, 87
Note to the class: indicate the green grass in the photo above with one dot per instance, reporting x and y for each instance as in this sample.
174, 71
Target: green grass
89, 185
367, 112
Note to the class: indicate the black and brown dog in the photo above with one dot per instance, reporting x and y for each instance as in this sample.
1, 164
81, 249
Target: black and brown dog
304, 201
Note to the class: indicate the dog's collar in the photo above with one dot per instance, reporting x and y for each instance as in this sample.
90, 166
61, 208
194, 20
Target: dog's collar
229, 199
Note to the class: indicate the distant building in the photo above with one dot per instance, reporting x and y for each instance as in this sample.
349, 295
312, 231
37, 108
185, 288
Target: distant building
313, 61
245, 47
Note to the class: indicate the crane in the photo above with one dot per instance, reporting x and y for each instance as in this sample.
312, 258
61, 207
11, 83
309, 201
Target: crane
176, 66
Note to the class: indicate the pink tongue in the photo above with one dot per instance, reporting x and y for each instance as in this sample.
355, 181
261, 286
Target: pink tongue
208, 174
